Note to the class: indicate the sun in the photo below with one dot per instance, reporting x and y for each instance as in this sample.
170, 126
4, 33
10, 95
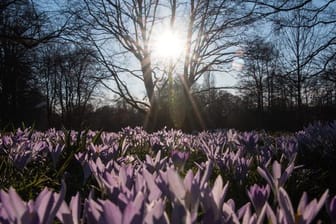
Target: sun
168, 45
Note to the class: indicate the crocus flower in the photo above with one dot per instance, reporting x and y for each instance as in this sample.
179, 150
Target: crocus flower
179, 158
306, 212
258, 196
331, 208
289, 146
7, 141
249, 140
20, 155
105, 211
276, 179
55, 152
155, 213
70, 214
154, 191
157, 164
43, 210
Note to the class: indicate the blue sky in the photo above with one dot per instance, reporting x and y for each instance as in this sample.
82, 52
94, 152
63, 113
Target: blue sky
222, 79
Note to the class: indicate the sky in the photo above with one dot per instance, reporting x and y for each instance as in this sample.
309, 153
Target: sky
222, 79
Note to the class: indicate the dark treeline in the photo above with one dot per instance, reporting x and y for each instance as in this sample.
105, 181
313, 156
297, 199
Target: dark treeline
54, 71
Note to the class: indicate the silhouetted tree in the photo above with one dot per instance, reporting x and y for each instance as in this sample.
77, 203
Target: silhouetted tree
304, 35
259, 70
24, 24
126, 29
327, 87
69, 77
23, 27
17, 18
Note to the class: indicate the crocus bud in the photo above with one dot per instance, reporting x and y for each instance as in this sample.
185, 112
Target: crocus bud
179, 158
258, 196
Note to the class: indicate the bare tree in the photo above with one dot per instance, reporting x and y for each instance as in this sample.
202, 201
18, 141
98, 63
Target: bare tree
127, 25
258, 76
69, 78
17, 18
35, 28
298, 44
24, 27
124, 31
210, 30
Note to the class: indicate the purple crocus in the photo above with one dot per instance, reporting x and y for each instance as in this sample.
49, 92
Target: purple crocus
306, 212
179, 158
43, 210
20, 155
186, 194
7, 141
156, 164
277, 179
249, 141
258, 196
105, 211
331, 208
70, 214
55, 152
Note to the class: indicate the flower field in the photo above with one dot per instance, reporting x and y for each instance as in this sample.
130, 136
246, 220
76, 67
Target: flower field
168, 176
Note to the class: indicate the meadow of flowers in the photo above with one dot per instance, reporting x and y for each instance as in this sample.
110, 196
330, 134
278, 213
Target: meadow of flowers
168, 176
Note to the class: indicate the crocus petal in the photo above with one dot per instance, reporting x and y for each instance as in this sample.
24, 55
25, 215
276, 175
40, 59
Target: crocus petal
246, 213
331, 208
207, 173
64, 214
267, 176
284, 177
129, 213
310, 212
4, 215
188, 180
17, 203
176, 184
261, 215
229, 214
58, 200
93, 211
7, 207
302, 204
154, 210
158, 157
286, 205
270, 214
44, 205
112, 213
218, 191
322, 200
75, 208
154, 190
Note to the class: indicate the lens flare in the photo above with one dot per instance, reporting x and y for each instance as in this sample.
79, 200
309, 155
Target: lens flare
168, 45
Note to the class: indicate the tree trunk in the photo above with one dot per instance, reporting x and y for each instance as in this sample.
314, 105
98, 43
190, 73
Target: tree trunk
151, 117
